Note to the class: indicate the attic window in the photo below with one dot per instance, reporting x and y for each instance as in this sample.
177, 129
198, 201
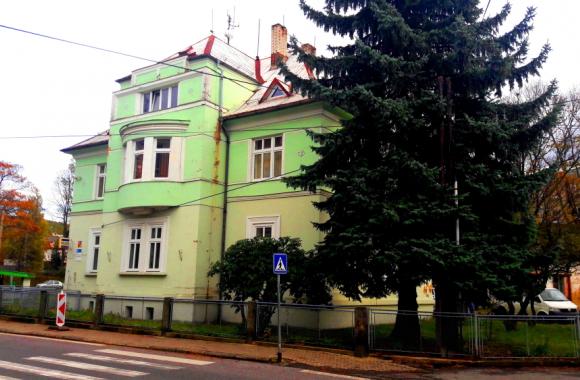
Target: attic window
277, 92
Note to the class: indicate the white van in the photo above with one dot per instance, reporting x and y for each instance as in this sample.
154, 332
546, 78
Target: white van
550, 302
553, 302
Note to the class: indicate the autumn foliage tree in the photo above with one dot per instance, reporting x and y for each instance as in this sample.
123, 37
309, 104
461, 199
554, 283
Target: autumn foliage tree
22, 226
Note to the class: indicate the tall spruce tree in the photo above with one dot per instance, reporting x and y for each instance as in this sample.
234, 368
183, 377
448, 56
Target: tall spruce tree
423, 81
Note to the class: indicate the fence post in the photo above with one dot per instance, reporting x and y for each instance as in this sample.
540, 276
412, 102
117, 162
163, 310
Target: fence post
99, 309
361, 331
251, 321
42, 305
167, 315
1, 302
476, 335
577, 323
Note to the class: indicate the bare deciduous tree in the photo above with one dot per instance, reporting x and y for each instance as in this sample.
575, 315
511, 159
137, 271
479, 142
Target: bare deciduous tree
63, 194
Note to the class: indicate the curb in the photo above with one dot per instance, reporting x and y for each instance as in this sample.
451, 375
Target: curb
214, 354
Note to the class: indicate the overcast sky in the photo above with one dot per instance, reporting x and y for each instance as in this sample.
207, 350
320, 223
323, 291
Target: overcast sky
52, 88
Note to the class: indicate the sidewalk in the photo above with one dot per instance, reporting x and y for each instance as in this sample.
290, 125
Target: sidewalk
316, 360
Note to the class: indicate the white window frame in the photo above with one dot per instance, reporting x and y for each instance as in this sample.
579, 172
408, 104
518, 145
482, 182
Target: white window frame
272, 150
98, 176
161, 150
91, 253
254, 222
150, 150
145, 241
169, 98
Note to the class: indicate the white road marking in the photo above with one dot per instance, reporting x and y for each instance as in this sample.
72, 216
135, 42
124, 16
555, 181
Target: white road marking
45, 372
172, 359
110, 359
333, 375
54, 339
89, 367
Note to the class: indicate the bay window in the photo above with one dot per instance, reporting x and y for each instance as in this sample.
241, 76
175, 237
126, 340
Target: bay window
153, 158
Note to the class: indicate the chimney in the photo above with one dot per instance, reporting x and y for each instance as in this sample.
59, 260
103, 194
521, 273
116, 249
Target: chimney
309, 49
279, 45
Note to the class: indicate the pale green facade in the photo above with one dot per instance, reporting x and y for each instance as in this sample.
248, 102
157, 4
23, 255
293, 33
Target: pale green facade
172, 212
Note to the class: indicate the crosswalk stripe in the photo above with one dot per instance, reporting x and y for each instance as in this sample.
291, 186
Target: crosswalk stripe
111, 359
7, 378
89, 367
45, 372
172, 359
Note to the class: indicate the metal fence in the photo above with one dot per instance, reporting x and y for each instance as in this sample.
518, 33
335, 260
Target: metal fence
386, 335
503, 336
474, 335
477, 335
209, 317
306, 324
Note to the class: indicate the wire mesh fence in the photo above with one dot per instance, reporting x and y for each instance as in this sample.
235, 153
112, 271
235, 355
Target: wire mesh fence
208, 317
142, 312
475, 335
416, 332
306, 324
502, 336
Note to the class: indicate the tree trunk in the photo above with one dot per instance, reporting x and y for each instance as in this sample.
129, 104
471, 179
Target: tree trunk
447, 326
407, 331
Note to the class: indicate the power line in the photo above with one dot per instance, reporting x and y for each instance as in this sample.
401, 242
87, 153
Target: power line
165, 133
216, 194
486, 7
106, 50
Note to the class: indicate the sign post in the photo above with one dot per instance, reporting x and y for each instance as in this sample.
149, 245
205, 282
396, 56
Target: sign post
280, 267
60, 309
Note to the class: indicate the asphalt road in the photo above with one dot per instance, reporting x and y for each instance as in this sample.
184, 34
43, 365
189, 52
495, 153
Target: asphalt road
25, 357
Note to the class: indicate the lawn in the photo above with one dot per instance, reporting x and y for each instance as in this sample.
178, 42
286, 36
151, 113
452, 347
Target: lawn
533, 340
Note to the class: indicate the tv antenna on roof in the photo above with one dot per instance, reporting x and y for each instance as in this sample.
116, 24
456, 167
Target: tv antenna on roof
231, 26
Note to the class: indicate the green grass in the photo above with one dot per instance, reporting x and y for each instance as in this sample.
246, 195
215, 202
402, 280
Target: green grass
16, 309
74, 315
116, 319
540, 339
342, 337
208, 329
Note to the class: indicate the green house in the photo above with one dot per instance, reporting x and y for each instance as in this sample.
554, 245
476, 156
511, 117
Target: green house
191, 163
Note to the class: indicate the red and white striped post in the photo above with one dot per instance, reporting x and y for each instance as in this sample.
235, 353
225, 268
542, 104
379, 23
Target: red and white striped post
60, 308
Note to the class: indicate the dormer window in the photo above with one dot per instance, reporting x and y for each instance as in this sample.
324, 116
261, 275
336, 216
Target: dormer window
276, 89
160, 99
277, 92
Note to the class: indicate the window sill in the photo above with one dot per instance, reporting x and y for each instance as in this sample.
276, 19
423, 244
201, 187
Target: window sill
91, 274
142, 274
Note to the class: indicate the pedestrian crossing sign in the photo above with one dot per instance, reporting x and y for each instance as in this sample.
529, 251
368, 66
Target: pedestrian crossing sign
280, 263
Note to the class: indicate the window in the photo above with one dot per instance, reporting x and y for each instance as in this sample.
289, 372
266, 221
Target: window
145, 246
94, 250
267, 157
160, 99
149, 313
263, 226
100, 182
134, 248
153, 158
162, 150
155, 247
277, 92
138, 158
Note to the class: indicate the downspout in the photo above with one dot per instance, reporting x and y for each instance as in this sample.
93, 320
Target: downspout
226, 174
